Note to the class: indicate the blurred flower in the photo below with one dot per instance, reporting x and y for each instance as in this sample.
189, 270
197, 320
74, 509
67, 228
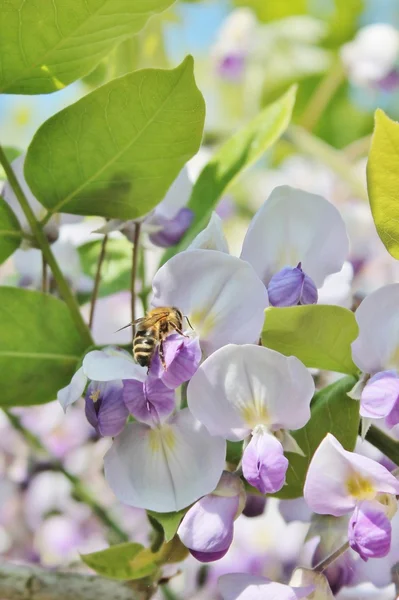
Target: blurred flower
207, 528
240, 586
170, 231
247, 389
369, 531
372, 57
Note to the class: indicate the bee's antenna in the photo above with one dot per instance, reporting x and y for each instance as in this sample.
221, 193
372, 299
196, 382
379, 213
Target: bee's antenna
188, 321
125, 327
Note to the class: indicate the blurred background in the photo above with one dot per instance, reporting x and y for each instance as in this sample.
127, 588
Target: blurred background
344, 56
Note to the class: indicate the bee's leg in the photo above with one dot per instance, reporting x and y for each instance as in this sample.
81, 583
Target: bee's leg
181, 332
162, 355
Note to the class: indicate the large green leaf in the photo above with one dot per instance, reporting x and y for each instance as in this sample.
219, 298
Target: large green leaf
39, 347
116, 267
319, 335
46, 45
332, 411
10, 231
115, 152
235, 155
383, 181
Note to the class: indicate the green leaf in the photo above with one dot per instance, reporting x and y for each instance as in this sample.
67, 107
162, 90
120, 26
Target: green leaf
10, 231
319, 335
383, 181
270, 11
332, 411
169, 521
115, 152
121, 562
116, 267
46, 45
235, 155
39, 347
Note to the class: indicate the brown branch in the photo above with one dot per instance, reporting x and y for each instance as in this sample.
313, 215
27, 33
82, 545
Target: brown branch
23, 582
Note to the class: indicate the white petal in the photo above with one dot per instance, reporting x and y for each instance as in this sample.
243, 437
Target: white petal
239, 387
74, 390
164, 469
101, 366
295, 226
337, 288
111, 225
240, 586
176, 197
212, 237
377, 347
222, 296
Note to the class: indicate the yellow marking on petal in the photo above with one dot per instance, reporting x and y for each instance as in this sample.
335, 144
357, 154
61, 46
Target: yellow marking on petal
95, 395
154, 439
162, 438
360, 487
203, 322
389, 503
393, 361
168, 437
255, 413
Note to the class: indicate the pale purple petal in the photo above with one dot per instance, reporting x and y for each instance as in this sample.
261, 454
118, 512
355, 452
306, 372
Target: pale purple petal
240, 586
104, 407
294, 226
239, 387
172, 230
166, 468
377, 346
369, 531
263, 463
73, 391
149, 401
337, 479
380, 395
182, 358
99, 365
208, 526
214, 290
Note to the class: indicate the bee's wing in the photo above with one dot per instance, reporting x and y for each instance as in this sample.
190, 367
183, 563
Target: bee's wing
130, 324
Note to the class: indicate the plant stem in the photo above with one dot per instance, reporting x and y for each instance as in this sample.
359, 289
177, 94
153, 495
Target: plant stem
48, 255
322, 96
322, 566
78, 488
97, 280
135, 255
142, 275
44, 275
383, 442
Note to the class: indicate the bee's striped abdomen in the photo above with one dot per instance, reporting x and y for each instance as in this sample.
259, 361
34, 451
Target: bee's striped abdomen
143, 347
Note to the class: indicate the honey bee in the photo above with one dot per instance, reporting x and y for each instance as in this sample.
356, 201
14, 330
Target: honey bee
152, 330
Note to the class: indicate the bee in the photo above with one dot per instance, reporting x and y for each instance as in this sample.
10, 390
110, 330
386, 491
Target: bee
152, 330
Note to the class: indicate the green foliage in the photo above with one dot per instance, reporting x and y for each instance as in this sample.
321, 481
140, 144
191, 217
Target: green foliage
169, 521
48, 44
115, 152
116, 267
40, 347
235, 155
332, 411
132, 561
319, 335
383, 181
270, 11
10, 231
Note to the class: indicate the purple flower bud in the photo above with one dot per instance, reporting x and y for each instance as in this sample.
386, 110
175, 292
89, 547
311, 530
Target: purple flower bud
254, 506
231, 67
291, 286
207, 528
263, 463
149, 401
171, 230
369, 531
105, 409
182, 359
390, 82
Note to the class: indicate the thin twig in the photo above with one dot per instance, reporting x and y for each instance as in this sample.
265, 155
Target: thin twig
44, 274
135, 255
384, 443
322, 566
79, 490
322, 96
97, 280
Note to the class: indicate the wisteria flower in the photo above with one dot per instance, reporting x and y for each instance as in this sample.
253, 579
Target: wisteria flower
240, 586
248, 389
207, 527
164, 461
105, 409
372, 58
339, 482
376, 353
221, 295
